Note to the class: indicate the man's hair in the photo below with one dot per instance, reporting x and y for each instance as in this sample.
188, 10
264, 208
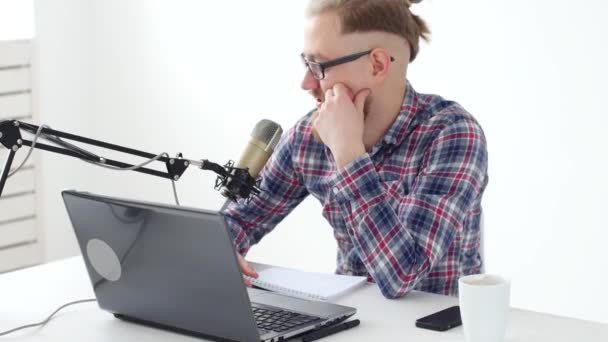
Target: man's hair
392, 16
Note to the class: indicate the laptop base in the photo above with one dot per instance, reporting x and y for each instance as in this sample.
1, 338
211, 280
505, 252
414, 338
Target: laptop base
170, 328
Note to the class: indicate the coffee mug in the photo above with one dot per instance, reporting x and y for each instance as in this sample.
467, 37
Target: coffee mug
484, 305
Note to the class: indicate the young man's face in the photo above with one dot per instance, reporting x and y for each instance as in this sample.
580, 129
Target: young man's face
323, 42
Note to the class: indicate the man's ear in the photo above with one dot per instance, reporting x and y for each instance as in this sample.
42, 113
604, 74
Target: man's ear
381, 63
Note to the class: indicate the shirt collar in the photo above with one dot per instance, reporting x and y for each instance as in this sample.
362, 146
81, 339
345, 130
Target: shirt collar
400, 127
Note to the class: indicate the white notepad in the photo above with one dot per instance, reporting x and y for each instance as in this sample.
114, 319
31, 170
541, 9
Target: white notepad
307, 285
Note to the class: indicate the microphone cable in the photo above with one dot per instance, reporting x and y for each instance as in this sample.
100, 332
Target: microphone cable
86, 153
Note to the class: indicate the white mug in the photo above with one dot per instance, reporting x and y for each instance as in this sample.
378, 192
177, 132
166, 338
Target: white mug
484, 304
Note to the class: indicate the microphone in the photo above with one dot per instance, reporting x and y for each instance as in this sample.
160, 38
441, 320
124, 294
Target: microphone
241, 180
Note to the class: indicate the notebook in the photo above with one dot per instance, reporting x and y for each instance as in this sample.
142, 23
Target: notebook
306, 285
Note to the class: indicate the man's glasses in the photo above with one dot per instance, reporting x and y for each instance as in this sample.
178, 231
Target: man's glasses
318, 69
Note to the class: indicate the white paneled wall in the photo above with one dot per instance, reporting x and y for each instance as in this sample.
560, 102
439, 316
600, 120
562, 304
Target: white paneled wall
19, 238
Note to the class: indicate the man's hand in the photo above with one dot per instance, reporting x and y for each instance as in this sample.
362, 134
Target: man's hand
246, 269
340, 122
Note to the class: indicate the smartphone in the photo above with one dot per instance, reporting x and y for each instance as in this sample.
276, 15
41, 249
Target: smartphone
441, 320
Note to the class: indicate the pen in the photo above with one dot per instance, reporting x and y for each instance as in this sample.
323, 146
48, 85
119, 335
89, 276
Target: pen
323, 332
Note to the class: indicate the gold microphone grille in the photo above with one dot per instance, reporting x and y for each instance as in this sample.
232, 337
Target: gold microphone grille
267, 132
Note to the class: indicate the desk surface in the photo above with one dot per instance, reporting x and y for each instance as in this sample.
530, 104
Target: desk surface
30, 295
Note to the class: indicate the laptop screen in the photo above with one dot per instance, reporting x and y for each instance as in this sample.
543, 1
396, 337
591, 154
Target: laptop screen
163, 264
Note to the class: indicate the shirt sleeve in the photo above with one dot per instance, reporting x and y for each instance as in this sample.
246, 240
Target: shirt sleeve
400, 243
282, 190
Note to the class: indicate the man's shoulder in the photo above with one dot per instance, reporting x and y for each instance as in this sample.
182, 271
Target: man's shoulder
436, 111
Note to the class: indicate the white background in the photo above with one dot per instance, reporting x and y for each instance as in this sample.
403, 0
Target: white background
195, 77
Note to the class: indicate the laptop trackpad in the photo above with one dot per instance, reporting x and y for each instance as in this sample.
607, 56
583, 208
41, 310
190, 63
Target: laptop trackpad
313, 308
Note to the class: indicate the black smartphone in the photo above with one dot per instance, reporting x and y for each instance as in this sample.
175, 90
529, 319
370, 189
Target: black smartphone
441, 320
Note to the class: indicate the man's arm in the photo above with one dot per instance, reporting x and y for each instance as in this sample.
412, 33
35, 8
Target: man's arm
282, 191
399, 245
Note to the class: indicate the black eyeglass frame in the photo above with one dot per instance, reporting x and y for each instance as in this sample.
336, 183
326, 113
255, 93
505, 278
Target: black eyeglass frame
321, 67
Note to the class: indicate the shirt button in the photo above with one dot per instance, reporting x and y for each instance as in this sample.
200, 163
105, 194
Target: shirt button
335, 190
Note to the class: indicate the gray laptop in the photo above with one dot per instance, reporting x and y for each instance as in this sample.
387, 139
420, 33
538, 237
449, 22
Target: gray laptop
175, 268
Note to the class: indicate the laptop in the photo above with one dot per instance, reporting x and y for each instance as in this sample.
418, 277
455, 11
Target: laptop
175, 268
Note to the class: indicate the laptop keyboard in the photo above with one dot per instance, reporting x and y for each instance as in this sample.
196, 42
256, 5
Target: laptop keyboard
280, 320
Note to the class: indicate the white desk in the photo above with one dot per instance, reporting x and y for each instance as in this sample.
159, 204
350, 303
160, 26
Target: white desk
29, 295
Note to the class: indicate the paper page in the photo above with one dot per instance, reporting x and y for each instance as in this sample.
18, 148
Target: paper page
309, 285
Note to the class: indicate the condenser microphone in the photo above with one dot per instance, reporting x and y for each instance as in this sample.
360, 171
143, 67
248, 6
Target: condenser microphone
264, 138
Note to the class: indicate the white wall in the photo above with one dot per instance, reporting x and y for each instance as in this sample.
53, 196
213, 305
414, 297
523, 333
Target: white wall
187, 76
16, 19
534, 74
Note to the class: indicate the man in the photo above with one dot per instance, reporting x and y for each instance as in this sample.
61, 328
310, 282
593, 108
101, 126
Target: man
400, 175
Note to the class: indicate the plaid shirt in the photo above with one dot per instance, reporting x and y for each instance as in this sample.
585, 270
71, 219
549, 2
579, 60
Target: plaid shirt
406, 214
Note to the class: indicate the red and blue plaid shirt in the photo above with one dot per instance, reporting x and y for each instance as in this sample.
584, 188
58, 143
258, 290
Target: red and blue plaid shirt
406, 214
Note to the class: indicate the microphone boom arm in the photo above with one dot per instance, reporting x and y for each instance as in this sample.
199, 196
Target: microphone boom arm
10, 137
